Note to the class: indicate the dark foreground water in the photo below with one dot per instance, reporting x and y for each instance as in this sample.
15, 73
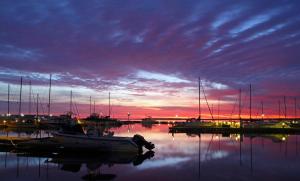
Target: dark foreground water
177, 157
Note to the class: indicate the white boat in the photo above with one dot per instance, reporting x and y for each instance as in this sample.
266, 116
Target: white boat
103, 143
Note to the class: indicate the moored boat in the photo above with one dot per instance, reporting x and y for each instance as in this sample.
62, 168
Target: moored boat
149, 120
93, 143
75, 138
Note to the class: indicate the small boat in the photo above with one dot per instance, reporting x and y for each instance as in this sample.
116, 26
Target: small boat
73, 138
64, 119
77, 139
102, 120
149, 120
105, 143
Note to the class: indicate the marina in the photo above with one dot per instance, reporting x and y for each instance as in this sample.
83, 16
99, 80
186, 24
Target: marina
149, 90
193, 155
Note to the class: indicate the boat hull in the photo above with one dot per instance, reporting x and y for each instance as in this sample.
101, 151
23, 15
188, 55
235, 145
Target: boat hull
87, 143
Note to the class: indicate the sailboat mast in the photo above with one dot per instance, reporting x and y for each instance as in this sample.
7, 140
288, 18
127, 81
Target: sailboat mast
94, 106
71, 97
240, 103
219, 109
90, 105
20, 97
199, 101
250, 106
29, 106
37, 106
295, 101
109, 104
284, 100
240, 108
262, 110
279, 109
8, 101
49, 98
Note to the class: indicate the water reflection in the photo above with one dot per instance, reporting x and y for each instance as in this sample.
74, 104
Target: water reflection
177, 157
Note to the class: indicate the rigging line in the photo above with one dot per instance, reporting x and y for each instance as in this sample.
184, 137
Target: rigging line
243, 103
210, 142
42, 106
206, 101
234, 145
76, 108
233, 109
257, 114
33, 97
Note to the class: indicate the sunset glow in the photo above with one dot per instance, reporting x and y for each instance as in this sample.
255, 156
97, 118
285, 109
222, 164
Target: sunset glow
150, 55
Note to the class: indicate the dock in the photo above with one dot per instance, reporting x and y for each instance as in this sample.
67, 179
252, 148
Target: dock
240, 126
216, 130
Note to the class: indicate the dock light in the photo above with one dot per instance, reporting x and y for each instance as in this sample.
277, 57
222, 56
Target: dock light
4, 121
50, 115
17, 121
39, 120
283, 138
283, 124
23, 121
8, 114
173, 122
22, 115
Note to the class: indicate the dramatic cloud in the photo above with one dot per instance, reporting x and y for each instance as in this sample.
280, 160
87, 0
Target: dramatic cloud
149, 54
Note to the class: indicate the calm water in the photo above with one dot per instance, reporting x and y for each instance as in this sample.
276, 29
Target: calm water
177, 157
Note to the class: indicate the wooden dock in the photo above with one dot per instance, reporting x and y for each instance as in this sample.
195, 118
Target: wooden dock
216, 130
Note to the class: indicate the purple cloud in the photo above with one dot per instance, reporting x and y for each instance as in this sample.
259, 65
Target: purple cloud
140, 47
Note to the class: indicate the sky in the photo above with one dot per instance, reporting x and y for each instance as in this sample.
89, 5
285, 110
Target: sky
149, 55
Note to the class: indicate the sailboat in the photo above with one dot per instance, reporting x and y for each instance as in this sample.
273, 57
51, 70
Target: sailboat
106, 120
190, 120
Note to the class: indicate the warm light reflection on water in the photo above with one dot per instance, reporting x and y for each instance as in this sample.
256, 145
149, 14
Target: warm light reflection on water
177, 157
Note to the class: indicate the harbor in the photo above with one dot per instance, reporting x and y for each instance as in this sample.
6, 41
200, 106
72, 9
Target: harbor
149, 90
196, 156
